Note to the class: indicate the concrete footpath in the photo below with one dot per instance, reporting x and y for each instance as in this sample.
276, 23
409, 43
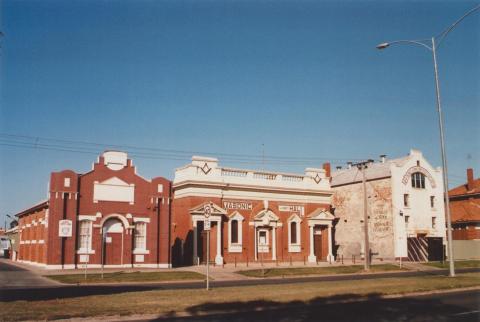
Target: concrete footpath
217, 273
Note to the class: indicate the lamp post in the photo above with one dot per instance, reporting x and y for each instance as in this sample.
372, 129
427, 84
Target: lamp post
5, 223
432, 45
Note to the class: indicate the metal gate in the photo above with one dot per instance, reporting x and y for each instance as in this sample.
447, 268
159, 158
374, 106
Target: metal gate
417, 249
435, 249
422, 249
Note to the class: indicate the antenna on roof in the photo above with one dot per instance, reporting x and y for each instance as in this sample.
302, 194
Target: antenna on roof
263, 157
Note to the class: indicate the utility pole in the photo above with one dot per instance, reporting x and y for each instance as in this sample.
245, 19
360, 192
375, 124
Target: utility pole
362, 166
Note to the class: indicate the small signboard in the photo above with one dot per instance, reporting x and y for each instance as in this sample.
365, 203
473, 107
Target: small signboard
65, 228
207, 225
108, 239
84, 258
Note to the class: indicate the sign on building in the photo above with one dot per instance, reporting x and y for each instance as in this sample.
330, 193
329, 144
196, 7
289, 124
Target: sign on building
207, 224
65, 228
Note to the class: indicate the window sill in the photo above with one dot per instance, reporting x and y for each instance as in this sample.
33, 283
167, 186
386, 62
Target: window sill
237, 248
294, 248
85, 252
141, 251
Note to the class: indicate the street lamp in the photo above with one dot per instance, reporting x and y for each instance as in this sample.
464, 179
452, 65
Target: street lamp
5, 223
433, 44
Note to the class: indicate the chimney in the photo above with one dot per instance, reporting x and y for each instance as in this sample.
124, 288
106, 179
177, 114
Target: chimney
349, 164
469, 179
327, 168
383, 158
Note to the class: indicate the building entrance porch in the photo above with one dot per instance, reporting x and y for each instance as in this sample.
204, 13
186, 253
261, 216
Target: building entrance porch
320, 236
200, 234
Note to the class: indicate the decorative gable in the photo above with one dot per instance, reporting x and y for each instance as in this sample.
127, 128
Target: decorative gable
266, 215
200, 209
114, 181
236, 216
321, 214
113, 189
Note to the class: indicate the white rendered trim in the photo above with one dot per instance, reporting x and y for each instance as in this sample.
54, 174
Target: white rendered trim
86, 217
141, 219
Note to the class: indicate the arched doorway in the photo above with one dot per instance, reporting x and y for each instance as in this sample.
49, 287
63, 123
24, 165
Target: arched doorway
113, 231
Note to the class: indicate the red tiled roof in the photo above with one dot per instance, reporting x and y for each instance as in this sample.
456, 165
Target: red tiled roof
463, 190
465, 210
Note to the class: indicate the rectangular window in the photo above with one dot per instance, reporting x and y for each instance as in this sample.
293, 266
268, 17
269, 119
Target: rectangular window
140, 235
85, 234
434, 222
406, 220
234, 232
405, 200
432, 201
293, 232
262, 238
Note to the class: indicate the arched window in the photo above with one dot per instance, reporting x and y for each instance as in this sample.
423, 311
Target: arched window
293, 232
418, 180
294, 237
234, 234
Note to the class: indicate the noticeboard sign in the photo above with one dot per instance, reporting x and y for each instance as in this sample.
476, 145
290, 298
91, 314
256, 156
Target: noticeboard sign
207, 225
65, 228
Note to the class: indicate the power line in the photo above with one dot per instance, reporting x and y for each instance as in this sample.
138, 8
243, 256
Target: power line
147, 152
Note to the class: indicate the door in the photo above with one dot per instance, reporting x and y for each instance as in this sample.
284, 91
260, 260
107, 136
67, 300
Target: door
320, 242
435, 248
202, 246
113, 242
317, 246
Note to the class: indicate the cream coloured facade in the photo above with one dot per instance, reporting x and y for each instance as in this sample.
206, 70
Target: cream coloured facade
405, 208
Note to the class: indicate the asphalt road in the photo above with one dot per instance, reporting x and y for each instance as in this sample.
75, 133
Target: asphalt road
460, 306
12, 276
31, 287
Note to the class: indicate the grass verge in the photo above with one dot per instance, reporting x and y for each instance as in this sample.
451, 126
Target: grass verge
229, 299
458, 264
351, 269
126, 277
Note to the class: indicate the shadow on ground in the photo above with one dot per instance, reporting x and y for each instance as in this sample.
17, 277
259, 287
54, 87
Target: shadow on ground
347, 307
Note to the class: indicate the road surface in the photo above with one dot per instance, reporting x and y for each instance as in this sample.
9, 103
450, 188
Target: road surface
20, 284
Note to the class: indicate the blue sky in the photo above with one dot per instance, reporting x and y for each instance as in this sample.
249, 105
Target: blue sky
295, 79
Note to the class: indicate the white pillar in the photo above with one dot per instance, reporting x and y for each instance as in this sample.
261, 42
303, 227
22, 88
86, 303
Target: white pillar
311, 257
330, 254
218, 257
274, 243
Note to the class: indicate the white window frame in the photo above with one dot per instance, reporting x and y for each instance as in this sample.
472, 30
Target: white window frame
235, 247
88, 250
263, 248
294, 247
418, 178
143, 250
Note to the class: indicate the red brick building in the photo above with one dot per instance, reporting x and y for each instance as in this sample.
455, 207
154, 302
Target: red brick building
255, 215
465, 209
110, 215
